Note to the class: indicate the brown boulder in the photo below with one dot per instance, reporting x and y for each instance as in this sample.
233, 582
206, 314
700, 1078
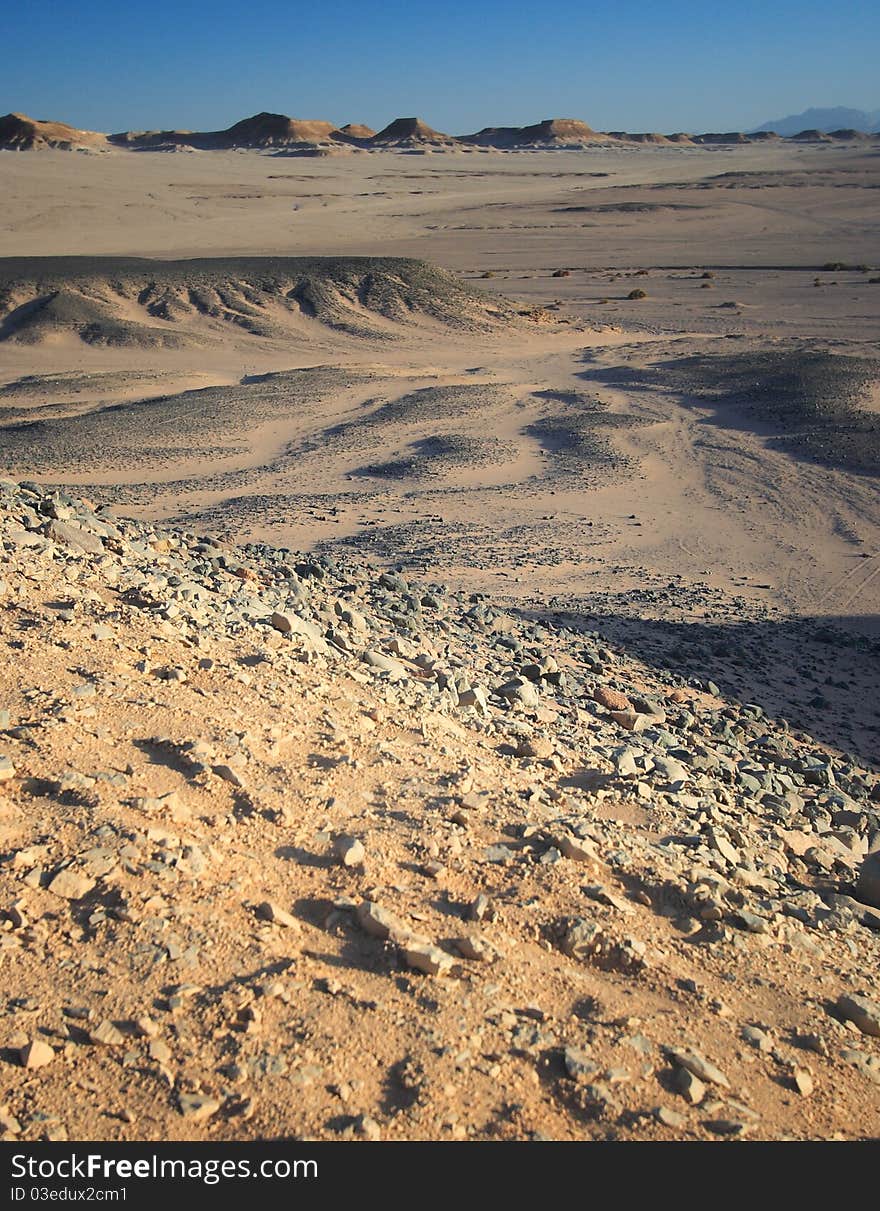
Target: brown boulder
613, 700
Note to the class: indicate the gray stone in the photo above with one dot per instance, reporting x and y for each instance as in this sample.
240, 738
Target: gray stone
579, 1065
868, 882
228, 774
68, 535
521, 690
291, 624
691, 1088
385, 664
106, 1035
862, 1012
701, 1068
867, 1065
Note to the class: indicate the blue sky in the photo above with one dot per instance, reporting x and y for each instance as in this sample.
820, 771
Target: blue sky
632, 65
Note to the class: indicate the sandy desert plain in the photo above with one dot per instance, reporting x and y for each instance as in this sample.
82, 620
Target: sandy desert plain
582, 843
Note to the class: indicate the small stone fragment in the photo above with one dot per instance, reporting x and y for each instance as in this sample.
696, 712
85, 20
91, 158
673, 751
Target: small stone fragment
864, 1013
578, 849
472, 946
106, 1035
378, 921
159, 1051
228, 774
689, 1086
481, 909
71, 885
197, 1106
268, 911
36, 1054
868, 882
803, 1081
426, 958
612, 700
579, 1065
349, 850
702, 1068
757, 1038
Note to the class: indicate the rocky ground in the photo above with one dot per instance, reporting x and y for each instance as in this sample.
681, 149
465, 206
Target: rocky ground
296, 847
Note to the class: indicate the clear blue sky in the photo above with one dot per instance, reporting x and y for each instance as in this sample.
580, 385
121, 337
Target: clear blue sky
634, 64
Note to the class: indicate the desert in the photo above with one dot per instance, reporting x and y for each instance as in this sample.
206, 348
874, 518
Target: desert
440, 588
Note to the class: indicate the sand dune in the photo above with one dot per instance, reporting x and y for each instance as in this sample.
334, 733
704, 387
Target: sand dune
119, 302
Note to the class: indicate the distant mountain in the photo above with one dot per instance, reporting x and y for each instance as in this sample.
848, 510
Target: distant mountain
558, 131
18, 132
552, 132
825, 120
263, 130
409, 132
278, 134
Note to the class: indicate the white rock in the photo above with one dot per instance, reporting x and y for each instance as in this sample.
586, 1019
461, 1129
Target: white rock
349, 850
426, 958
